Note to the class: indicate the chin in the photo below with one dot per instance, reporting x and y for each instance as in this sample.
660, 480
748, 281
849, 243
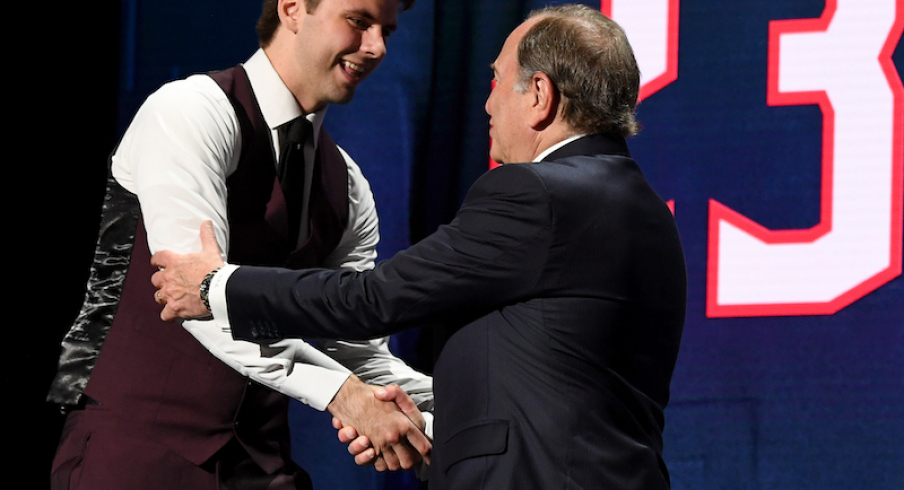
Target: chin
344, 97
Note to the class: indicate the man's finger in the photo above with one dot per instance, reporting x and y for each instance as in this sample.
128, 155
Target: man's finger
161, 259
394, 393
379, 464
347, 435
167, 314
360, 445
392, 459
369, 456
418, 440
157, 279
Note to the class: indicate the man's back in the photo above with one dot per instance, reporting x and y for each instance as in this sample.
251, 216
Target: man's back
564, 386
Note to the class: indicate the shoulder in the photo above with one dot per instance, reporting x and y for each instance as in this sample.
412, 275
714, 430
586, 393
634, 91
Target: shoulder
511, 189
600, 173
511, 178
188, 118
550, 180
196, 97
194, 108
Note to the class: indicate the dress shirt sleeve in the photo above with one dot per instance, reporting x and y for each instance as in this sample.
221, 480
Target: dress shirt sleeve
175, 156
357, 248
370, 360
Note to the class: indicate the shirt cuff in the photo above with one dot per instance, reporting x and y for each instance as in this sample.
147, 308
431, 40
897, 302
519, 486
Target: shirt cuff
428, 424
310, 376
216, 295
312, 385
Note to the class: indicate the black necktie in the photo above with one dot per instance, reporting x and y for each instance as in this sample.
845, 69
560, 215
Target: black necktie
292, 137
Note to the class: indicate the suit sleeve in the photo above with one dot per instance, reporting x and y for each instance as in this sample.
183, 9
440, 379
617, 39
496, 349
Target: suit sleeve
491, 255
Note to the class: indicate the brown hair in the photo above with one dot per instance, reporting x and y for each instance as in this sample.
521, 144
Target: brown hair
589, 60
269, 19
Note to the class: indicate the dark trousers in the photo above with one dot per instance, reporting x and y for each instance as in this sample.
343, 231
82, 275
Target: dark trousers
96, 454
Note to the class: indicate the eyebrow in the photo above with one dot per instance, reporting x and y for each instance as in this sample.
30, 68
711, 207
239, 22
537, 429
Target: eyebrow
388, 28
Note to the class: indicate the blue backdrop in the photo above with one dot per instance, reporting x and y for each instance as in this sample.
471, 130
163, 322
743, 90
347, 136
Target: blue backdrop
776, 387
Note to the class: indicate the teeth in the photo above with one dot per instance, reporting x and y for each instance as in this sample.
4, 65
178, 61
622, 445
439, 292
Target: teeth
358, 69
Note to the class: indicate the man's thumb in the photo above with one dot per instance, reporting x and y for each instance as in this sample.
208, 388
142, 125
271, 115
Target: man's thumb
209, 238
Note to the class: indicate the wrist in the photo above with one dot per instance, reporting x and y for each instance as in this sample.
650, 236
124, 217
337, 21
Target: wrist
205, 288
341, 405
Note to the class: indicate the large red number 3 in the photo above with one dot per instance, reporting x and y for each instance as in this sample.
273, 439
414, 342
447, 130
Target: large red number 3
842, 63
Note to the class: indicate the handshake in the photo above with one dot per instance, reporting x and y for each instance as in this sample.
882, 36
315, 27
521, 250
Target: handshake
381, 425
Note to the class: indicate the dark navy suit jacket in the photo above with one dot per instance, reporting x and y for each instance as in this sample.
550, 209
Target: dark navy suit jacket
564, 284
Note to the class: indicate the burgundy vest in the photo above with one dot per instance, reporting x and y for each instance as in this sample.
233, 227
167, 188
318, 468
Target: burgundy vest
155, 376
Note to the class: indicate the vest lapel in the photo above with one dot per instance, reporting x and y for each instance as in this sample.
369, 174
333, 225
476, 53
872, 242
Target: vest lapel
257, 207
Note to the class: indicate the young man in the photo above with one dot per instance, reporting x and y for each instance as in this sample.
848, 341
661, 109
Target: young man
562, 277
151, 407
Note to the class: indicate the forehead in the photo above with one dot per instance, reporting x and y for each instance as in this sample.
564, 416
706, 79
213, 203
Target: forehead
509, 53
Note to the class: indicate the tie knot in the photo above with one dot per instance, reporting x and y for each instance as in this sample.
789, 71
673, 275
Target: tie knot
296, 131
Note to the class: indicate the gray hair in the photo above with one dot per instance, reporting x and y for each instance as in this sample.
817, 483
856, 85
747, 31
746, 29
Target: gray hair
588, 58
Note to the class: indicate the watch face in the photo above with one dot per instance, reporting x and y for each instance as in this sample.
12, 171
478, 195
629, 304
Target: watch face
205, 288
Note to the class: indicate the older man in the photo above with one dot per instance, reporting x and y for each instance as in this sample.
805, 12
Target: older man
563, 279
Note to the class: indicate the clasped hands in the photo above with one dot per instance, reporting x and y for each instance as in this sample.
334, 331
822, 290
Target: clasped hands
381, 425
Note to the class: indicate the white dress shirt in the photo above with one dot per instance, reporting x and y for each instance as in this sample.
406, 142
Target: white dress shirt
182, 144
545, 153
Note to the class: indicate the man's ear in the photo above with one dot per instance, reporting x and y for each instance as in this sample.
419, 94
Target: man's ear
290, 13
544, 100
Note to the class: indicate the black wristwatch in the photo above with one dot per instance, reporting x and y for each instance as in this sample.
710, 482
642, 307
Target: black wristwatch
205, 287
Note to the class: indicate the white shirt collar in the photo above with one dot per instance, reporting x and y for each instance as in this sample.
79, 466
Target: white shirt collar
276, 101
556, 146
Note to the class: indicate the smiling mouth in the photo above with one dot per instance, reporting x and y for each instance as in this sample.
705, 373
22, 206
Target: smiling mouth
354, 70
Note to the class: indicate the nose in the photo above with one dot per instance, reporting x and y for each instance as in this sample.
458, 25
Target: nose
486, 105
374, 43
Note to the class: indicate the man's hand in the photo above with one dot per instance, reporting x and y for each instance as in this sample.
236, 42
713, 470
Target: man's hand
360, 447
384, 422
178, 280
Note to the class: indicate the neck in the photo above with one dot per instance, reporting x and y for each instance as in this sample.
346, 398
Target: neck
551, 136
282, 57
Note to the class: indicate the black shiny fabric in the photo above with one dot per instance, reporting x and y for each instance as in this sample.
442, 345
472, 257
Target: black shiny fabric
81, 345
